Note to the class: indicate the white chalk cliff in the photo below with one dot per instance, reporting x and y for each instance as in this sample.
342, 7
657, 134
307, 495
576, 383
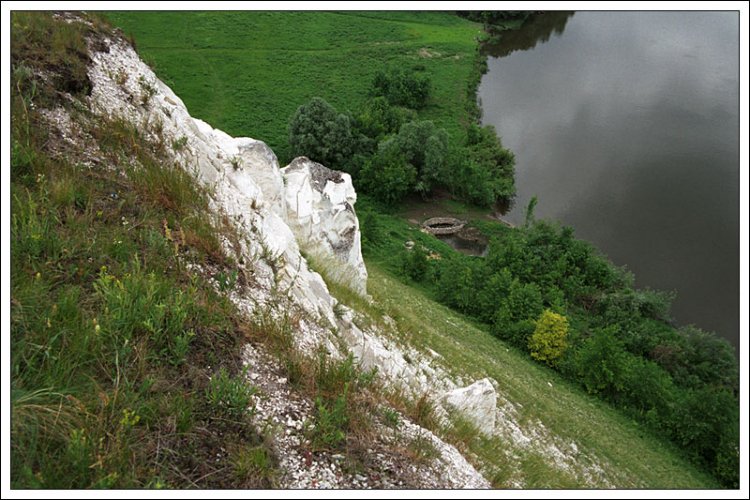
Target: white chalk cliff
279, 212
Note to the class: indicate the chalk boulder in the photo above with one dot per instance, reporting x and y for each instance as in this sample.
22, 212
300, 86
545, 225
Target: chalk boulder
320, 212
476, 402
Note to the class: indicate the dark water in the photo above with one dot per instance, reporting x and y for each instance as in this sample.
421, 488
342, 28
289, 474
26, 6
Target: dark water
625, 126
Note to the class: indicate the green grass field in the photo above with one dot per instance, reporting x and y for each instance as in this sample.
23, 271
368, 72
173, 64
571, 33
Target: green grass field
247, 72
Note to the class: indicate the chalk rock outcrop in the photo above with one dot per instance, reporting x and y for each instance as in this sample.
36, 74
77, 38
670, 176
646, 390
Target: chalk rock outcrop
477, 403
320, 206
275, 212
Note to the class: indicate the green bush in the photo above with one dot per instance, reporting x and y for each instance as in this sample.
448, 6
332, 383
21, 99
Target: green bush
415, 264
377, 119
318, 131
402, 87
227, 395
388, 176
425, 147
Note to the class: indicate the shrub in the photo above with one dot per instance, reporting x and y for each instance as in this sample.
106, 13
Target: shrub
378, 119
425, 147
318, 131
515, 318
388, 176
550, 338
402, 87
415, 263
228, 395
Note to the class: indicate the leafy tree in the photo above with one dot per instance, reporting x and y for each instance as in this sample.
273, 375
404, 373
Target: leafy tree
318, 131
484, 148
425, 146
600, 363
515, 318
470, 182
493, 291
387, 175
377, 119
402, 87
550, 338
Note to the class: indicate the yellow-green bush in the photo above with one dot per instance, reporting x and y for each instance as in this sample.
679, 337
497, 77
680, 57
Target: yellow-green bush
550, 338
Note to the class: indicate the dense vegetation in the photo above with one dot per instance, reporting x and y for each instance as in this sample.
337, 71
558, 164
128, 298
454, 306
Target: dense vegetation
390, 157
553, 296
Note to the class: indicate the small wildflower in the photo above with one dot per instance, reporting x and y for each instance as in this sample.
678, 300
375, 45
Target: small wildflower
38, 276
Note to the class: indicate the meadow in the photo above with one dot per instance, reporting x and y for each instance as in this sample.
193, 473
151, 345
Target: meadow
247, 72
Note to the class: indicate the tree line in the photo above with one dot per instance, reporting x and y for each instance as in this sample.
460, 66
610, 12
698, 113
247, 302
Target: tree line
391, 153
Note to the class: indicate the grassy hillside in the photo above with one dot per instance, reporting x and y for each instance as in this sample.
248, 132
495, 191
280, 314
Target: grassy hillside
546, 407
247, 72
549, 409
124, 365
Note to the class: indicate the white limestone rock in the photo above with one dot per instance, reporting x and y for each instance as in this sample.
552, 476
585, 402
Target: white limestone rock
320, 207
241, 176
477, 403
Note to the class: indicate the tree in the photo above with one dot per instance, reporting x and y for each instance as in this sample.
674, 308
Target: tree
425, 146
402, 87
319, 132
514, 318
387, 175
601, 363
550, 338
377, 119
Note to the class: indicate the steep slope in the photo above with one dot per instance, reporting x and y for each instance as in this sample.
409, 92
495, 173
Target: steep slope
321, 421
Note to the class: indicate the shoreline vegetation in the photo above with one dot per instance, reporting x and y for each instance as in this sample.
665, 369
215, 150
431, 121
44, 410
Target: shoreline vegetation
540, 293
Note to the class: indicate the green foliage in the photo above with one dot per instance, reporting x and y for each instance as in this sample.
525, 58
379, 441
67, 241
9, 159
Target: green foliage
425, 148
41, 44
619, 345
402, 87
377, 119
485, 150
318, 131
109, 336
252, 462
470, 181
227, 280
388, 176
514, 320
600, 362
264, 78
330, 423
415, 264
529, 218
340, 412
229, 395
550, 338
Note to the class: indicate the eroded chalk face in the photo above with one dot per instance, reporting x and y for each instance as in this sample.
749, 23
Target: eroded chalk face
320, 211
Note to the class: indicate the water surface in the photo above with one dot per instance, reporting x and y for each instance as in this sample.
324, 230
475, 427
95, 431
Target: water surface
625, 126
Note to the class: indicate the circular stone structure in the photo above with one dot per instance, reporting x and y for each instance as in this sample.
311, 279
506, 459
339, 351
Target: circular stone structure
443, 225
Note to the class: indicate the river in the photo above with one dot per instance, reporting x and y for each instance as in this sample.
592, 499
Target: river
625, 125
